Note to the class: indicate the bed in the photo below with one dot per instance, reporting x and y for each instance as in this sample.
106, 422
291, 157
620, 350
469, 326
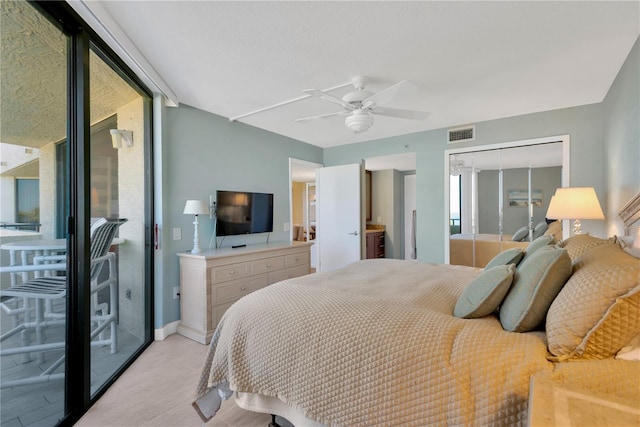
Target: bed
382, 342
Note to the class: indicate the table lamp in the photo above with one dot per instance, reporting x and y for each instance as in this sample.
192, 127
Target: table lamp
575, 203
195, 207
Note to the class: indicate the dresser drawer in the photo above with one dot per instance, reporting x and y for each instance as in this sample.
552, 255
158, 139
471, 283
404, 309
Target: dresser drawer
230, 272
297, 259
236, 289
218, 311
289, 273
268, 264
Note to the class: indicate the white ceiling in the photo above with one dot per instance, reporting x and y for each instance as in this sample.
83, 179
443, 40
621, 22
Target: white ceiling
473, 61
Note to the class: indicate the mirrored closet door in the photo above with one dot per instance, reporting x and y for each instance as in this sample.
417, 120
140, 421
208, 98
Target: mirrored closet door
499, 198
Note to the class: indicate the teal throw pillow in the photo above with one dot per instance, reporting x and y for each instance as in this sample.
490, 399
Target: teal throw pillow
538, 243
484, 294
536, 283
509, 256
520, 235
539, 229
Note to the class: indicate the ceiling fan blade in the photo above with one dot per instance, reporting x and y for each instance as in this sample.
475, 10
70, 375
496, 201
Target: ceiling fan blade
386, 95
327, 97
400, 113
321, 116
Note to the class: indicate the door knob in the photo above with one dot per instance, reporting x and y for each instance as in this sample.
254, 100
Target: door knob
355, 233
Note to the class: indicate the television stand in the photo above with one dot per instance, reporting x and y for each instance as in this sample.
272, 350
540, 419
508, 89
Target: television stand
211, 281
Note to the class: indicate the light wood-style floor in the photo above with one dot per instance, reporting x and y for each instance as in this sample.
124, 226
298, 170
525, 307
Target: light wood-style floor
157, 390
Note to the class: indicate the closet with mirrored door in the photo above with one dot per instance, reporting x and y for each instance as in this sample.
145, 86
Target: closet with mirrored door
499, 195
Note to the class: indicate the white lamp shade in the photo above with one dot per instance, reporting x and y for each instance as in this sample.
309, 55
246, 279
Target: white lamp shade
575, 203
195, 207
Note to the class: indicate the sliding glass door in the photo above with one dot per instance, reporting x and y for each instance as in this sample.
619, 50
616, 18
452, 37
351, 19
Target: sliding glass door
34, 95
74, 219
117, 177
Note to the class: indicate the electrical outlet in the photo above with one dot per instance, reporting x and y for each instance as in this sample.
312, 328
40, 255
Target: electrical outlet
285, 227
177, 233
176, 292
127, 294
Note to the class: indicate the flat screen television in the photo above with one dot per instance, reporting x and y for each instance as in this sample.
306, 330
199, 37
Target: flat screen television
241, 212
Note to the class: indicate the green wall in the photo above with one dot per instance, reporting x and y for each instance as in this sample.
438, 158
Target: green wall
621, 112
203, 153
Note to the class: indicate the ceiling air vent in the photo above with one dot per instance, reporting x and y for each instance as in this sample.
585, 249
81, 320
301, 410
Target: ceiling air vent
467, 133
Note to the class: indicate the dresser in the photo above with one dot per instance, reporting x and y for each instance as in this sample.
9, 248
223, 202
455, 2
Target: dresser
211, 281
559, 403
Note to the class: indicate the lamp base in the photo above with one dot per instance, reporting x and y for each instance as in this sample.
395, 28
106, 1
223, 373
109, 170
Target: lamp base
577, 227
196, 242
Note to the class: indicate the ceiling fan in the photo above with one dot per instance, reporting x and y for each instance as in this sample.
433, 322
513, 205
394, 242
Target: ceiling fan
360, 105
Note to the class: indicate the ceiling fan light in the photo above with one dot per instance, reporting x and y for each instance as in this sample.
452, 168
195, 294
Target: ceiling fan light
359, 121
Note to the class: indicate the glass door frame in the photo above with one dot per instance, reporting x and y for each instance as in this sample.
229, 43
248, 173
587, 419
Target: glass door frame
81, 39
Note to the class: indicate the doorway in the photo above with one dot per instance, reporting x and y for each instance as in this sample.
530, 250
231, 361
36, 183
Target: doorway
389, 197
302, 203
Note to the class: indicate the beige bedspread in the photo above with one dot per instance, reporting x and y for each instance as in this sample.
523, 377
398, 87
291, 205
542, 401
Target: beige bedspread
374, 344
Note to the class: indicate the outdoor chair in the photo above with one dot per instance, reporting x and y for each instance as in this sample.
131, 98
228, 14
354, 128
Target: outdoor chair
43, 291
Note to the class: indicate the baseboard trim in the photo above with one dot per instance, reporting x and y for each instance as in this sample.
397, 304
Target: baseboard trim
168, 329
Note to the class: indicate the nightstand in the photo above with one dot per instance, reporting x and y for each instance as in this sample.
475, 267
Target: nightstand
553, 403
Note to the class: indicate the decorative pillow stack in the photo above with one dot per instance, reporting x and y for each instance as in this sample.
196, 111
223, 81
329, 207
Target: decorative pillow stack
542, 271
539, 278
598, 310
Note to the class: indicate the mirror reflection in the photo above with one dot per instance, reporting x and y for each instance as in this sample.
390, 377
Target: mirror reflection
498, 199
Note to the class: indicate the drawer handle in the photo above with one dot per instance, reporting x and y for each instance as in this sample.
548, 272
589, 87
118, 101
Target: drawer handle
297, 259
242, 288
268, 265
232, 272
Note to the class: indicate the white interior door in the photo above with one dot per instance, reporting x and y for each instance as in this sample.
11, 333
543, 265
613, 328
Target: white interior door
339, 215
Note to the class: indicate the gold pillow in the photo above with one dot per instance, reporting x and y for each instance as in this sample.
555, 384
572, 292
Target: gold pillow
579, 244
598, 310
555, 230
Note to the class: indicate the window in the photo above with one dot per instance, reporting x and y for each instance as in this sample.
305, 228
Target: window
28, 203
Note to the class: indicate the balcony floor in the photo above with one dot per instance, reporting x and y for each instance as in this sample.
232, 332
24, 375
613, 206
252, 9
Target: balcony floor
43, 404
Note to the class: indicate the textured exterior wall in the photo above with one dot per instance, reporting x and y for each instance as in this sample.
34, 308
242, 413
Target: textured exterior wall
131, 198
48, 191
